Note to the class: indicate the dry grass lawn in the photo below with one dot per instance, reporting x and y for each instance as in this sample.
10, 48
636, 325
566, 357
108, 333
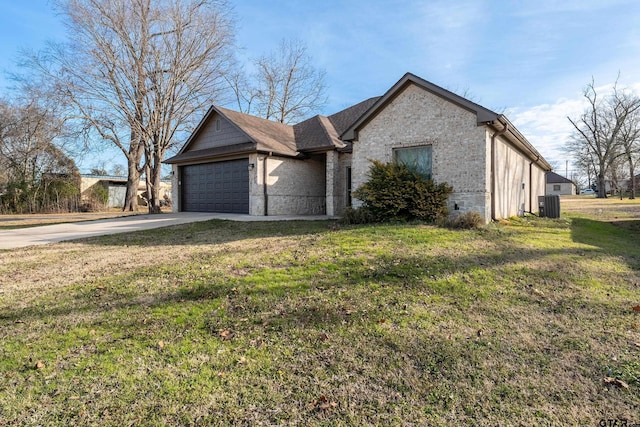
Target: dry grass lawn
529, 322
33, 220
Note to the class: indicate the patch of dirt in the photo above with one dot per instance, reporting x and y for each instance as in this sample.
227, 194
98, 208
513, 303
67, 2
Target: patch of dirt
623, 213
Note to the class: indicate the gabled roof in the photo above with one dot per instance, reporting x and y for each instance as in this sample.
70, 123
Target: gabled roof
269, 136
345, 118
483, 114
323, 133
262, 136
554, 178
319, 133
316, 133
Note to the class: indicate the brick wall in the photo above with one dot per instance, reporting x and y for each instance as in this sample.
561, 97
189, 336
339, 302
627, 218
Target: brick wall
459, 147
176, 205
294, 187
336, 179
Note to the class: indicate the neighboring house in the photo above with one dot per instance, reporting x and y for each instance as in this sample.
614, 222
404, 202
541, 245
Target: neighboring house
637, 183
558, 184
116, 185
117, 188
238, 163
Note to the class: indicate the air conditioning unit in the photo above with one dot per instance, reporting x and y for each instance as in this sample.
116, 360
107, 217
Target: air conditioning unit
549, 206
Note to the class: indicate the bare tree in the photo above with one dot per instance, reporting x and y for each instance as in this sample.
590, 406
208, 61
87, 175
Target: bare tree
583, 161
135, 72
244, 94
118, 170
30, 161
616, 175
629, 139
597, 131
286, 87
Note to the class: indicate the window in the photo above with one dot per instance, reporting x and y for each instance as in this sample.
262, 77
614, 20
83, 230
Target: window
417, 159
217, 125
348, 181
556, 187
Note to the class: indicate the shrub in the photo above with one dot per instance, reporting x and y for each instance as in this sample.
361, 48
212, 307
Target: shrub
394, 192
97, 197
357, 216
468, 220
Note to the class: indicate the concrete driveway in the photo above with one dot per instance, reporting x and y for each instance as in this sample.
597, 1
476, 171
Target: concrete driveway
41, 235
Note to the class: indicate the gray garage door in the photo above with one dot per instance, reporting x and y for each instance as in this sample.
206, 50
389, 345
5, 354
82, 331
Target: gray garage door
216, 187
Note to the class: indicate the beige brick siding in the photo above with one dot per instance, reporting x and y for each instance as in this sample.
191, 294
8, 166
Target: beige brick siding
294, 187
337, 164
175, 190
418, 117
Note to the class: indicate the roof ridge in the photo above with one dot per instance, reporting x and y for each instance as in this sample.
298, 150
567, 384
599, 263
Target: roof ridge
324, 120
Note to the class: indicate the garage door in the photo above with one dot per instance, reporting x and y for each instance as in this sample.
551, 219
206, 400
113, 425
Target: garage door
216, 187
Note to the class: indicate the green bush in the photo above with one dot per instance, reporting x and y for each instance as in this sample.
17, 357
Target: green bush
97, 197
394, 193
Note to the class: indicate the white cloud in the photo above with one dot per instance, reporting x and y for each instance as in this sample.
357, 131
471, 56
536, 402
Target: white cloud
546, 125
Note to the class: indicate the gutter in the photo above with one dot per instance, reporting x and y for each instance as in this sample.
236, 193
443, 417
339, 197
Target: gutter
522, 144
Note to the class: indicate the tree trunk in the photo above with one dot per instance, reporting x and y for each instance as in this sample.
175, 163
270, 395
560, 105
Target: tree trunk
602, 187
156, 171
133, 180
632, 193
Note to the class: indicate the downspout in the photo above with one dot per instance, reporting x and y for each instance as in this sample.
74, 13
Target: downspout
531, 187
493, 169
264, 183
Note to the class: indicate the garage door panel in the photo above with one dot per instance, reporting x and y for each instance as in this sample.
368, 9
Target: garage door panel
216, 187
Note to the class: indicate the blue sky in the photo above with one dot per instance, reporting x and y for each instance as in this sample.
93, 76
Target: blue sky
527, 58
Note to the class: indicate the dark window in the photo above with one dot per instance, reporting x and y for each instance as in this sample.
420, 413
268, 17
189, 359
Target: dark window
417, 159
348, 180
556, 187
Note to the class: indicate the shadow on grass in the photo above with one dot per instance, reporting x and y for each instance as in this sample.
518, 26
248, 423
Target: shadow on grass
321, 296
210, 232
628, 224
464, 277
610, 237
342, 314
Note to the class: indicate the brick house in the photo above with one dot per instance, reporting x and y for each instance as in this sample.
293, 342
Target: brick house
234, 162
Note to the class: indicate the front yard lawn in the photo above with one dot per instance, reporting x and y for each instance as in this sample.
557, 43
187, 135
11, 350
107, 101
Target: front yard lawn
529, 322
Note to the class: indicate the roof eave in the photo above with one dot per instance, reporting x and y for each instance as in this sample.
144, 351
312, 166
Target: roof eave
211, 154
516, 138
